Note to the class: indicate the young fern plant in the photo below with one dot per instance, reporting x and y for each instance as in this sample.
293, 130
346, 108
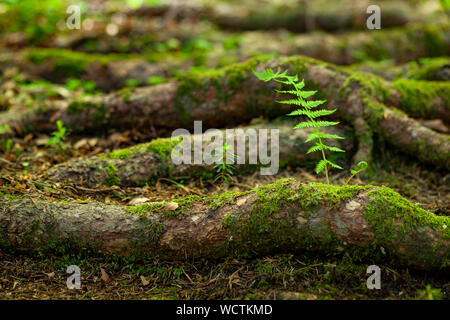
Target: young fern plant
307, 109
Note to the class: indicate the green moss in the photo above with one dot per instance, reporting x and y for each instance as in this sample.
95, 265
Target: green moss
67, 63
163, 146
371, 84
268, 224
146, 208
237, 73
112, 178
184, 203
217, 201
428, 69
125, 93
417, 95
435, 40
393, 217
374, 111
126, 153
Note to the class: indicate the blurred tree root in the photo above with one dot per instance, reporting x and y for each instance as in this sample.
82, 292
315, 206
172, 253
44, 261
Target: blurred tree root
304, 16
232, 96
372, 223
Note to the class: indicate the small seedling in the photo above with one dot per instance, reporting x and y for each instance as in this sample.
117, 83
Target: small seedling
56, 141
224, 170
132, 82
360, 167
155, 80
5, 143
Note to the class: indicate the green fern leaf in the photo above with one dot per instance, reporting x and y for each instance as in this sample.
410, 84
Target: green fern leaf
334, 165
312, 114
314, 103
322, 164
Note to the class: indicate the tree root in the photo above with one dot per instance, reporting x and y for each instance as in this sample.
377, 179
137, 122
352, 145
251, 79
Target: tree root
370, 222
232, 95
304, 16
109, 72
147, 162
431, 69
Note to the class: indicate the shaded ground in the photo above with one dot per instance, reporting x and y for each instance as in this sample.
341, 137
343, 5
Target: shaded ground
275, 277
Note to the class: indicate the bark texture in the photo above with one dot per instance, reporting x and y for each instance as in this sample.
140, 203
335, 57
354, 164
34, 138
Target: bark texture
372, 222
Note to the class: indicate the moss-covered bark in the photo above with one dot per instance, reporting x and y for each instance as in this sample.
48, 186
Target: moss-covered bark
400, 44
372, 222
233, 95
108, 71
429, 69
147, 162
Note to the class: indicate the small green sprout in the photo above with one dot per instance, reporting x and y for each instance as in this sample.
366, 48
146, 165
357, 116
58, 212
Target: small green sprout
224, 170
360, 167
56, 141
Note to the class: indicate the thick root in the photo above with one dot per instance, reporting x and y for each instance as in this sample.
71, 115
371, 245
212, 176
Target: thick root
233, 95
372, 222
147, 162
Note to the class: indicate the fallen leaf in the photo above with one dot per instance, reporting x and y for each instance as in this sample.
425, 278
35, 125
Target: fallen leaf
170, 206
144, 281
93, 142
80, 144
139, 200
105, 277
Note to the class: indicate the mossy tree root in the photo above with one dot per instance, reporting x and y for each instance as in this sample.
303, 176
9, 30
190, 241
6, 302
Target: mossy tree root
429, 69
368, 222
147, 162
301, 17
108, 71
233, 95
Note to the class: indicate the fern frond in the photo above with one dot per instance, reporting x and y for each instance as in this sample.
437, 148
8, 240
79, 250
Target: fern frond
315, 124
321, 146
296, 102
311, 114
313, 103
294, 88
322, 164
268, 74
334, 165
301, 94
319, 135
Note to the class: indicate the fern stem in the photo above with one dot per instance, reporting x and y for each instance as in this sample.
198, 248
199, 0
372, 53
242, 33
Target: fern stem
326, 164
351, 177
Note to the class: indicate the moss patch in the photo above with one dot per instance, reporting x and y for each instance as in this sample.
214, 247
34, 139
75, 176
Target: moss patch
418, 95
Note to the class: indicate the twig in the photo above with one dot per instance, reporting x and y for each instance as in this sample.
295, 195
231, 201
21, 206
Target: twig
7, 162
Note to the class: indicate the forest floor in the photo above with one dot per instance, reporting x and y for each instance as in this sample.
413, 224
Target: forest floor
180, 47
283, 276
